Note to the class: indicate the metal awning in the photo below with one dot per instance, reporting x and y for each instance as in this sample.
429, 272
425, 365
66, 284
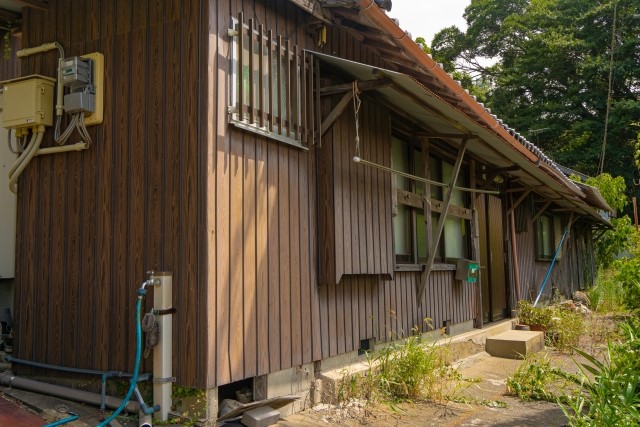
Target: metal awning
442, 118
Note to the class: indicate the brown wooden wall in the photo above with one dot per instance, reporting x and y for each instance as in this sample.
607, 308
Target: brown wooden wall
169, 185
266, 201
571, 272
92, 223
354, 217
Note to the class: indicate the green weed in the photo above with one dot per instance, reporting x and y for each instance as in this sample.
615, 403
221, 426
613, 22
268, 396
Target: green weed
535, 380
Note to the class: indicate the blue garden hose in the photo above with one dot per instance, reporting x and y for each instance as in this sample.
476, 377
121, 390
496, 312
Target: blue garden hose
72, 417
134, 379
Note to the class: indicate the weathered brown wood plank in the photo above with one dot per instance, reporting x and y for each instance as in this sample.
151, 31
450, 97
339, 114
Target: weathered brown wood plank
191, 88
121, 148
294, 259
274, 258
249, 219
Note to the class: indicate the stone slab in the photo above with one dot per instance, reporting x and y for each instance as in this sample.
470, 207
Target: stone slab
260, 417
515, 344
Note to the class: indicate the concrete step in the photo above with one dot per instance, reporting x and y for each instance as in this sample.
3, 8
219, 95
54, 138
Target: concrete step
515, 344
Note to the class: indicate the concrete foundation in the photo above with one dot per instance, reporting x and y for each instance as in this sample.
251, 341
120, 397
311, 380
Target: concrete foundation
515, 344
298, 381
211, 406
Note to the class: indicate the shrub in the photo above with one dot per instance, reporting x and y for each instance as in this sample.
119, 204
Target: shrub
607, 294
530, 315
411, 370
534, 379
612, 397
566, 329
628, 275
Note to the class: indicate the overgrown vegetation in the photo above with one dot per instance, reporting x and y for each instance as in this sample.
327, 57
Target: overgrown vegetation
563, 326
535, 380
413, 369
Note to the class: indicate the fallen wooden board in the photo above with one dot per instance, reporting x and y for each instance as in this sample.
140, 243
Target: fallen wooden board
274, 402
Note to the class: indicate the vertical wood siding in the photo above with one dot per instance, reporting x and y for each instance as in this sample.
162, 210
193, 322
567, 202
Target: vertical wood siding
571, 272
92, 223
169, 185
266, 222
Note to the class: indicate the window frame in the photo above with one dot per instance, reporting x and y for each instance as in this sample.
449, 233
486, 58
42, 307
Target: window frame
280, 92
412, 198
553, 237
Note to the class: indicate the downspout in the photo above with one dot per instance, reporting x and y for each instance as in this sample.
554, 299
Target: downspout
514, 250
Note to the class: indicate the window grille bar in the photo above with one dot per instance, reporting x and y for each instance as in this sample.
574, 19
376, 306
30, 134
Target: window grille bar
312, 113
279, 73
261, 75
270, 81
251, 102
287, 81
296, 93
240, 66
303, 98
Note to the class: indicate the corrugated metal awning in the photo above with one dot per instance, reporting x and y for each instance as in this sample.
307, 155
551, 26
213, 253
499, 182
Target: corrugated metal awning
440, 117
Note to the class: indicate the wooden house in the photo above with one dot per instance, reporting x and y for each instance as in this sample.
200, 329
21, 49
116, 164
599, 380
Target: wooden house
226, 156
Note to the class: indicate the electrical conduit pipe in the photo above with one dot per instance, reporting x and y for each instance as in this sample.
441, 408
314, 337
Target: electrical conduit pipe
24, 159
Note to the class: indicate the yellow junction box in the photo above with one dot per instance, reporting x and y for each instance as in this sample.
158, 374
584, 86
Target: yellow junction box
28, 101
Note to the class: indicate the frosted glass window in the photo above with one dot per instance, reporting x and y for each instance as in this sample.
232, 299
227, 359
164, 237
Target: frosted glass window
545, 237
400, 161
402, 234
457, 198
454, 235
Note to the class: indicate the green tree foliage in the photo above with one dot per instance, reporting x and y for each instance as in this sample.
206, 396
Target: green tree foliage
550, 75
612, 190
620, 237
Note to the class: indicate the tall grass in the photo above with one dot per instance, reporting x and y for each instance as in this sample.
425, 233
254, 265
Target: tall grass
607, 294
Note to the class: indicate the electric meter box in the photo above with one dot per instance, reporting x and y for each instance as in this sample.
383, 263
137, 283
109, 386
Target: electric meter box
467, 270
28, 101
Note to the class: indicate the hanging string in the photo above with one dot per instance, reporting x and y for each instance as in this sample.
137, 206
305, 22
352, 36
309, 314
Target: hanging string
356, 110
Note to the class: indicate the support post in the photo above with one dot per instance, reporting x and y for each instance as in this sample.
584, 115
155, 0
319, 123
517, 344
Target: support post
475, 247
514, 248
162, 353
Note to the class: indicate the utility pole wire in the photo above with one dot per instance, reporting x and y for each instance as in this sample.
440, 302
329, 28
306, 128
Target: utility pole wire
606, 116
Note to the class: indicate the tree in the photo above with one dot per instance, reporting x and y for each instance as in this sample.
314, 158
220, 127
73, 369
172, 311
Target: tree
550, 78
619, 238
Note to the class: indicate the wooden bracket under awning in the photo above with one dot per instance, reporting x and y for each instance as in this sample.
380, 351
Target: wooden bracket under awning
346, 98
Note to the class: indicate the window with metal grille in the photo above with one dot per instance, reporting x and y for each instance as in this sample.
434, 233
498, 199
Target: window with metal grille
272, 83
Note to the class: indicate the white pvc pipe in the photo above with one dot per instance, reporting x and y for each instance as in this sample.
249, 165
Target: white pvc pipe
62, 148
144, 420
162, 353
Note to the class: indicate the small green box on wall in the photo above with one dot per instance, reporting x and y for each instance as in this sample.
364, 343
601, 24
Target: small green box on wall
467, 270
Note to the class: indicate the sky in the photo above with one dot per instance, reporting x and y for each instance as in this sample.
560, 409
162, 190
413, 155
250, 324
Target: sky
424, 18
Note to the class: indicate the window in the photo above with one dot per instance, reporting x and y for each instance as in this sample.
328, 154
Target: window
547, 236
269, 89
409, 227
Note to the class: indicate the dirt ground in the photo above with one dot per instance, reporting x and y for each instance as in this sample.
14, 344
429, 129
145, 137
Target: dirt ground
483, 403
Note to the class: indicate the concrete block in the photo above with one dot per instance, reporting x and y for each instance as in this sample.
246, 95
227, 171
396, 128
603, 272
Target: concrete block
293, 381
515, 344
260, 417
